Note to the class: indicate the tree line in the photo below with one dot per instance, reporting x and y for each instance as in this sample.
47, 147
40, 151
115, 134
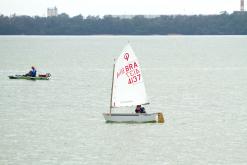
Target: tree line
222, 24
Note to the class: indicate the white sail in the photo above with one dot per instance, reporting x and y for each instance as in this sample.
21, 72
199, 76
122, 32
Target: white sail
128, 83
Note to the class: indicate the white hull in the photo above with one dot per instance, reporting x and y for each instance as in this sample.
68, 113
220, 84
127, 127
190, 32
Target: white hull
131, 118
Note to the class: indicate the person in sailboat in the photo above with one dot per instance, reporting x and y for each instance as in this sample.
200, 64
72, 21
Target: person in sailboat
140, 109
32, 72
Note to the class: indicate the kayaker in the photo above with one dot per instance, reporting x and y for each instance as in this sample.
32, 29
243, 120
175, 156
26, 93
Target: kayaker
32, 72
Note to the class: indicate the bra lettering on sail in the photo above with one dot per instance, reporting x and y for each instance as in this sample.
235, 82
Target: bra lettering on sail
131, 66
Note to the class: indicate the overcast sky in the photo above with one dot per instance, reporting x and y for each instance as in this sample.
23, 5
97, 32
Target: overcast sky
118, 7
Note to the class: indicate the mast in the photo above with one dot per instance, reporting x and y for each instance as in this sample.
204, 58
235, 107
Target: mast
113, 70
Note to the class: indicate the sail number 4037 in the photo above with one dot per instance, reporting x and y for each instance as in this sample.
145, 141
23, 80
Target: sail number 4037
134, 79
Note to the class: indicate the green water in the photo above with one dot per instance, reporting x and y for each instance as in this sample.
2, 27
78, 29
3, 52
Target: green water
198, 82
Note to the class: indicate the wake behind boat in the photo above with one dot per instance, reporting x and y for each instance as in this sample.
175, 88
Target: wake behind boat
128, 90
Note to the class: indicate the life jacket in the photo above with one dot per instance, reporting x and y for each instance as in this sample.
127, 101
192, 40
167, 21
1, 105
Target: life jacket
33, 73
142, 110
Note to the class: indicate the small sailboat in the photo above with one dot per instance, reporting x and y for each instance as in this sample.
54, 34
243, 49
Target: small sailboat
128, 90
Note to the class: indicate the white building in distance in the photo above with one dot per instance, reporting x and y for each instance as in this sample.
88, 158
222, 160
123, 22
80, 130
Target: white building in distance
242, 5
51, 12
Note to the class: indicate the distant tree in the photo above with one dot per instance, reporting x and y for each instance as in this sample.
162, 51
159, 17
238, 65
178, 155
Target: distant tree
222, 24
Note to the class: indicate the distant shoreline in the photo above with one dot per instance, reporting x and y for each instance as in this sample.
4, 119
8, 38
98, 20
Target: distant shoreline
165, 25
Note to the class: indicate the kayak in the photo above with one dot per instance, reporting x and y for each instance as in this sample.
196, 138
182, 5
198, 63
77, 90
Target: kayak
39, 77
